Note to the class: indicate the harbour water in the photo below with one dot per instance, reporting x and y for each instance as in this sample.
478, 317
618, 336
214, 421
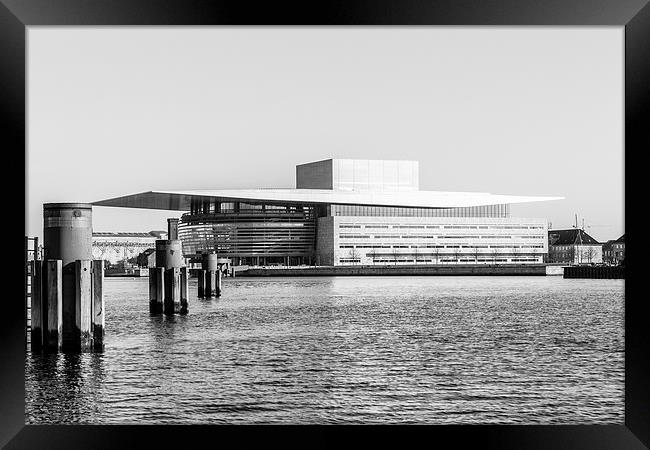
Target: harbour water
434, 350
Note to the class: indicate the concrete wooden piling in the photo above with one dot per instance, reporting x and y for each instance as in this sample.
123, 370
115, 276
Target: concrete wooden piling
38, 312
83, 304
98, 304
67, 232
184, 290
201, 282
54, 294
210, 283
69, 336
156, 289
218, 283
172, 296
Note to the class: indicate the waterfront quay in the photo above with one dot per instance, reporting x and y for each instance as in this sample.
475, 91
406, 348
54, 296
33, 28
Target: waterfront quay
383, 270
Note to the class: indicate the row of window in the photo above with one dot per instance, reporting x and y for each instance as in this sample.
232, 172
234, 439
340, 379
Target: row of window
429, 236
450, 227
473, 247
441, 260
502, 210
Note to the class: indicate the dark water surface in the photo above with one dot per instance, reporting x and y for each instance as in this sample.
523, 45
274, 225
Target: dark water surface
349, 349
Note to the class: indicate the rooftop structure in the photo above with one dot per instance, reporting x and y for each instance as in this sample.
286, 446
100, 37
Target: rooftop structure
573, 246
571, 236
347, 212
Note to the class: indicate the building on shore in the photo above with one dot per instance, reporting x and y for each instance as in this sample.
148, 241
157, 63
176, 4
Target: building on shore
614, 251
346, 212
573, 246
119, 247
147, 258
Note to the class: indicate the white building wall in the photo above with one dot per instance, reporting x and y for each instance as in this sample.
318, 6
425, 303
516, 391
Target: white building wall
116, 248
375, 175
438, 240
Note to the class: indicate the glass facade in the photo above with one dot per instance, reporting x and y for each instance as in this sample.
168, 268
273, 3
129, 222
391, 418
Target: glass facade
250, 233
501, 211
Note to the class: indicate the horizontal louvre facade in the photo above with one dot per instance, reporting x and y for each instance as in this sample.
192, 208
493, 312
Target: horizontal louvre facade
250, 233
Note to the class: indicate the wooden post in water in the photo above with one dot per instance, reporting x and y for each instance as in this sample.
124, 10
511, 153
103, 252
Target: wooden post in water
172, 297
83, 304
37, 306
98, 305
54, 291
152, 290
156, 289
210, 283
201, 283
184, 290
218, 274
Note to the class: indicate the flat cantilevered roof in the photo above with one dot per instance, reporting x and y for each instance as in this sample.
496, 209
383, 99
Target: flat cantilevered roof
181, 200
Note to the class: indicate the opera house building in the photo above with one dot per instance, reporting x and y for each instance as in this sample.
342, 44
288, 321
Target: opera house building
345, 211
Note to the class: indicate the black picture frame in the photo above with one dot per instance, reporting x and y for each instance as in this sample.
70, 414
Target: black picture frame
634, 15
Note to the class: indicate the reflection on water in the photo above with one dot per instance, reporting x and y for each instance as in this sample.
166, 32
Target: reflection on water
348, 349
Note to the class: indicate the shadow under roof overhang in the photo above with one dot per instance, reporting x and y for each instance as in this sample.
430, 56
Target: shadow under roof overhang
181, 200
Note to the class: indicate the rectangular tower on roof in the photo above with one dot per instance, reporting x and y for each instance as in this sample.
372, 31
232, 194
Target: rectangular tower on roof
359, 175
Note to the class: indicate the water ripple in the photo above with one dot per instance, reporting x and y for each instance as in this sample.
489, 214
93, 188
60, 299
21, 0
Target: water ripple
434, 350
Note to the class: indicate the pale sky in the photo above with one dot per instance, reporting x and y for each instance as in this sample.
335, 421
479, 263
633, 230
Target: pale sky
507, 110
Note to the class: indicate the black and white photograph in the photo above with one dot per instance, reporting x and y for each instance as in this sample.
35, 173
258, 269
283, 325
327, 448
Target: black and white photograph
313, 225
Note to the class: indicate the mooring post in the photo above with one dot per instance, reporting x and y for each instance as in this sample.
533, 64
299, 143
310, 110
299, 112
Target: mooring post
218, 283
152, 290
184, 290
210, 265
68, 305
169, 259
67, 233
172, 300
156, 289
201, 282
54, 292
37, 306
98, 304
84, 304
210, 284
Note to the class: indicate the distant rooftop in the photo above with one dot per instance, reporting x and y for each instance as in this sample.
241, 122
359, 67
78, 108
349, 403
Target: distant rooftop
128, 234
571, 236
